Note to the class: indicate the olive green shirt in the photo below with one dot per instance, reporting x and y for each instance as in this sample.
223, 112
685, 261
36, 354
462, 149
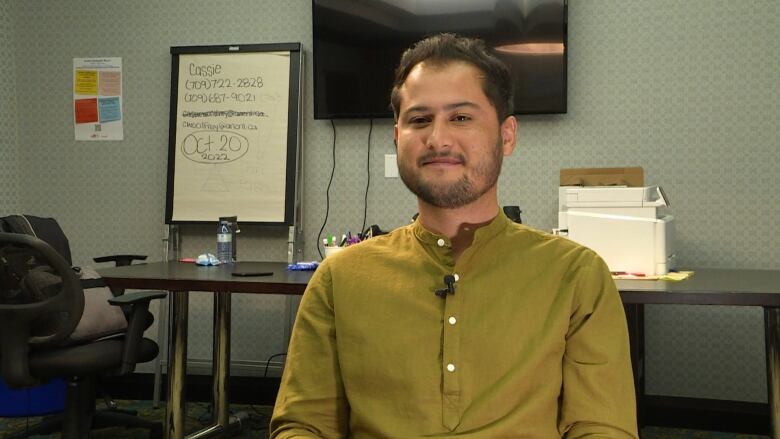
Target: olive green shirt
532, 344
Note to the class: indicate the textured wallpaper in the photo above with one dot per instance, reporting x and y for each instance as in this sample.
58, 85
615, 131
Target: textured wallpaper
687, 90
10, 183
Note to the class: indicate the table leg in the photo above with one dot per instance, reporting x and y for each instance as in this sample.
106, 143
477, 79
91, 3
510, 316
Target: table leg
223, 424
221, 359
161, 325
175, 409
772, 338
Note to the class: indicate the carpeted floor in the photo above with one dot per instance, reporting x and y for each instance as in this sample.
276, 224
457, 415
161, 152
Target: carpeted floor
199, 415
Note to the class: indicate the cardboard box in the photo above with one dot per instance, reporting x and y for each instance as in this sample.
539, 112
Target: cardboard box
631, 177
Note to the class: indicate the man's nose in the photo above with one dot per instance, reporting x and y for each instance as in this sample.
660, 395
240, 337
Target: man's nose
440, 135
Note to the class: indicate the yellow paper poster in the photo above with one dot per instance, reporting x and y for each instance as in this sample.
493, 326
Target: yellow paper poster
86, 82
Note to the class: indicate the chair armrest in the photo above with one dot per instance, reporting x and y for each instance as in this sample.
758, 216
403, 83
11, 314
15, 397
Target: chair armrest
136, 324
120, 260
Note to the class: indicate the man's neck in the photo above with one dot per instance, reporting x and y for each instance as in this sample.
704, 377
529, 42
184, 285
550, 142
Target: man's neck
458, 224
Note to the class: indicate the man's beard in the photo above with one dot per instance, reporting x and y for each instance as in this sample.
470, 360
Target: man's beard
459, 193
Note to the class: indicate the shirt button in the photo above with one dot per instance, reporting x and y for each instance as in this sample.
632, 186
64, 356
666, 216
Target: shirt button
440, 242
452, 320
451, 367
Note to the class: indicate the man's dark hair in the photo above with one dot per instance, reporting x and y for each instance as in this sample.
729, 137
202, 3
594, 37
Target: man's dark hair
445, 48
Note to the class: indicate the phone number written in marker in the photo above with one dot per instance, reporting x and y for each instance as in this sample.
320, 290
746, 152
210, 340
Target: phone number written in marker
218, 98
208, 84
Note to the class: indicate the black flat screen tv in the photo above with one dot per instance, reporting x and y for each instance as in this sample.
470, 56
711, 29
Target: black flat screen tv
357, 45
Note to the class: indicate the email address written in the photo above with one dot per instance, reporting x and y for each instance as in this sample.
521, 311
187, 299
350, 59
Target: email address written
219, 126
224, 113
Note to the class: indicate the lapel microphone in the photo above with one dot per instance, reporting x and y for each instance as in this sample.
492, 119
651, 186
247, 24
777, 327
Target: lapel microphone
449, 280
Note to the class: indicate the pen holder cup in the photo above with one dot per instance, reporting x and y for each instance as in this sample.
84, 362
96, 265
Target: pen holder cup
332, 250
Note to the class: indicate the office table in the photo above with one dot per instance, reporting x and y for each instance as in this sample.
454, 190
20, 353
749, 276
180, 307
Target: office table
181, 278
735, 287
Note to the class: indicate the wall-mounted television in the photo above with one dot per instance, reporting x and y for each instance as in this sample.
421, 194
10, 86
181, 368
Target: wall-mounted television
357, 45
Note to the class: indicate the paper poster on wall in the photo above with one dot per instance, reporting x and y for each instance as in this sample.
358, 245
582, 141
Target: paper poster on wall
97, 98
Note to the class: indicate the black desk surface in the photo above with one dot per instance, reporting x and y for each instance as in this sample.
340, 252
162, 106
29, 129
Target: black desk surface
181, 276
707, 286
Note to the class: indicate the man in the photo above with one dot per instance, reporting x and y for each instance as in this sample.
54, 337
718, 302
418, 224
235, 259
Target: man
463, 323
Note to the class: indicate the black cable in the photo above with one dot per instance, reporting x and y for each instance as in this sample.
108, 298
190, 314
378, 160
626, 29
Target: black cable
327, 191
268, 361
368, 177
264, 417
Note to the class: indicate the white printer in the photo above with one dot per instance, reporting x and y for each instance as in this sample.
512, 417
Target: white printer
622, 224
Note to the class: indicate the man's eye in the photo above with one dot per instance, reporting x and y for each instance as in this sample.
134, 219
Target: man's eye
418, 120
461, 118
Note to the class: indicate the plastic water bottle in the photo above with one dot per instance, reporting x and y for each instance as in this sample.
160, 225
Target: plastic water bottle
224, 243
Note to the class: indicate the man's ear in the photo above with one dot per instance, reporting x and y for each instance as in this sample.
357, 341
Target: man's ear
395, 135
508, 135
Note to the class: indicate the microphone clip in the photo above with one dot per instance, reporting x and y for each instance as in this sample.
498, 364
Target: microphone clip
449, 281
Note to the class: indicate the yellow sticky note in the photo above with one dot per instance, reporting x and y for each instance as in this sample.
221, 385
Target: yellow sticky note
86, 82
677, 275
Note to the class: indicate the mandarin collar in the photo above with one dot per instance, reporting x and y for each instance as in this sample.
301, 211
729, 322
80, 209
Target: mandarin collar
496, 225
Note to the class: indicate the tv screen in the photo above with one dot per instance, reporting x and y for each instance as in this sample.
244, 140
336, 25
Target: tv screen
357, 45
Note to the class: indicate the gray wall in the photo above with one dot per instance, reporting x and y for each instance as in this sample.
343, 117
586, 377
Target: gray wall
10, 184
687, 90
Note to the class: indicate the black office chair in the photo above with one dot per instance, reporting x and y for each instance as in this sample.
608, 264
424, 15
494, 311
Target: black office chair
41, 304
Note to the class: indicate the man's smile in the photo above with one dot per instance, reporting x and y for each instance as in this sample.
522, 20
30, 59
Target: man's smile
446, 161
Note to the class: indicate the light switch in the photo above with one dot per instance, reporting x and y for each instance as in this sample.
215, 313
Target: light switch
391, 166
